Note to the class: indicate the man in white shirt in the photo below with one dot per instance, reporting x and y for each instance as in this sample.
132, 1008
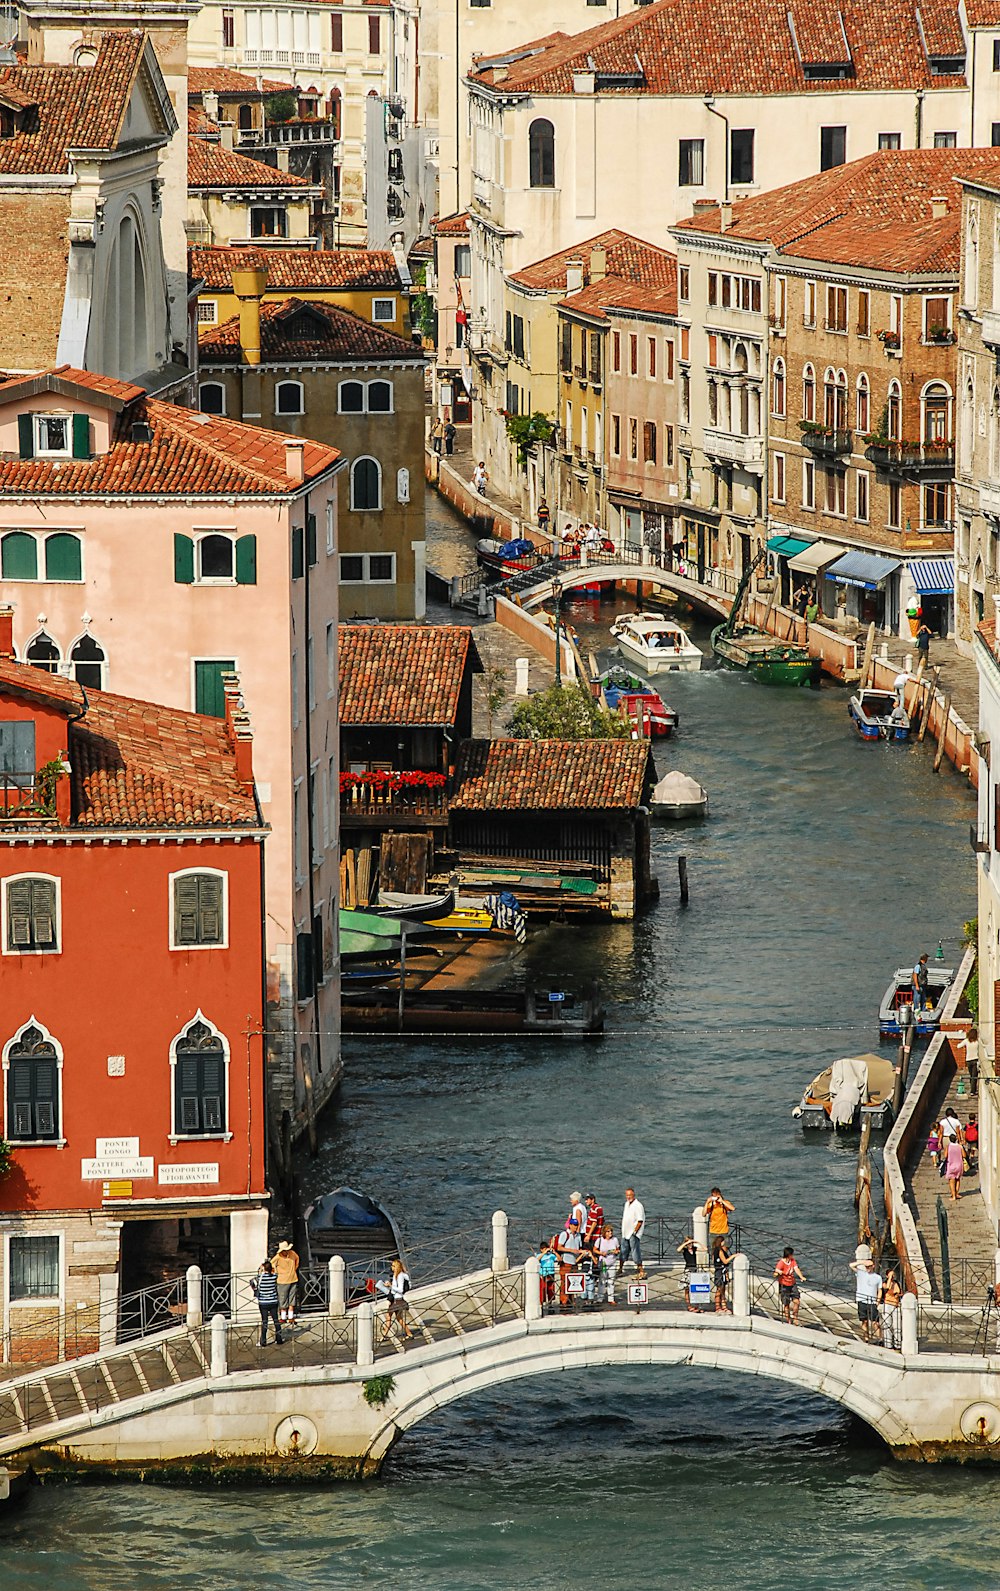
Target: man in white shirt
633, 1221
868, 1286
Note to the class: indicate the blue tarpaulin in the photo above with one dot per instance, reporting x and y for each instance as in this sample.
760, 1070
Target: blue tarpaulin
864, 569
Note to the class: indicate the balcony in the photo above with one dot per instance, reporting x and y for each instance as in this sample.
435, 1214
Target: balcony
991, 328
826, 442
386, 797
989, 501
22, 801
912, 458
728, 448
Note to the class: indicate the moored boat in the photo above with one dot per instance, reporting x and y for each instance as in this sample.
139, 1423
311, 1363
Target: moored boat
898, 998
634, 696
361, 1230
879, 715
508, 557
678, 796
655, 644
414, 908
760, 654
854, 1089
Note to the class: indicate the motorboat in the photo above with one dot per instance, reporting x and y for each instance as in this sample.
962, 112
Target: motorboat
655, 644
898, 998
762, 655
361, 1230
678, 796
879, 715
628, 693
854, 1089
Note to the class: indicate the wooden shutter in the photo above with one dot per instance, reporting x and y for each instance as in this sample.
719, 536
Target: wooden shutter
43, 913
81, 436
211, 1091
209, 909
44, 1080
20, 556
311, 539
188, 1101
186, 910
304, 965
246, 560
19, 914
20, 1114
183, 560
62, 558
298, 554
17, 750
26, 436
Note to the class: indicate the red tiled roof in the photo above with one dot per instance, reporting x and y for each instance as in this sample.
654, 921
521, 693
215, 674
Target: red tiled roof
697, 47
875, 211
136, 765
447, 226
982, 13
79, 107
194, 454
230, 84
641, 274
293, 328
200, 125
551, 775
66, 380
297, 270
212, 166
628, 258
403, 674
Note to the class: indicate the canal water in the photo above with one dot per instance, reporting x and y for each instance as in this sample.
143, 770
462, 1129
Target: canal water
825, 864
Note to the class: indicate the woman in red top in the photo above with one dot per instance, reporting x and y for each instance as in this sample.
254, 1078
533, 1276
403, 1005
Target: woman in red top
788, 1277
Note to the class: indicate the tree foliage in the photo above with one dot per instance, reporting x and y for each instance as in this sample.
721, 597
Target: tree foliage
280, 107
567, 712
527, 429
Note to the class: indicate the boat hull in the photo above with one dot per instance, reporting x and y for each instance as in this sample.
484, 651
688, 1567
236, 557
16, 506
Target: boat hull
895, 998
652, 661
771, 664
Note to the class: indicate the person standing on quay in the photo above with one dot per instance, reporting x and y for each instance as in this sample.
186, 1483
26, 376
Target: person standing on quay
718, 1211
788, 1277
924, 643
266, 1289
633, 1221
286, 1271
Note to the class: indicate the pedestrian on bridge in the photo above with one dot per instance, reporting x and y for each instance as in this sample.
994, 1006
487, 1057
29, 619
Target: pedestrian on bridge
688, 1251
788, 1277
547, 1273
286, 1271
633, 1221
868, 1290
609, 1249
718, 1211
577, 1212
723, 1259
399, 1286
266, 1288
569, 1244
594, 1223
890, 1300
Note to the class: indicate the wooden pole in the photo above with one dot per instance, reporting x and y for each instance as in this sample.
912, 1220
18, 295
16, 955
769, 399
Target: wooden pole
942, 733
682, 874
928, 703
914, 707
869, 653
402, 979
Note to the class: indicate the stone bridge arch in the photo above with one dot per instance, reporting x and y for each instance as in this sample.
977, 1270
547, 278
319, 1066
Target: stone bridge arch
705, 599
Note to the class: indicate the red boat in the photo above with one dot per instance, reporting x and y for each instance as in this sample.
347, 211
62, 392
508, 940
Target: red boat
637, 699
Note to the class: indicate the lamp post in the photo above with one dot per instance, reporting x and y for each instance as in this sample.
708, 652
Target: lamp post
557, 598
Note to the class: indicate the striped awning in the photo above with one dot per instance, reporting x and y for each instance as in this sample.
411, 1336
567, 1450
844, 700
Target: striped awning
933, 577
865, 569
816, 556
786, 546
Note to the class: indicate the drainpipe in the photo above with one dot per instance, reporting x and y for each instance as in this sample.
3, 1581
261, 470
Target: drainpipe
710, 107
920, 118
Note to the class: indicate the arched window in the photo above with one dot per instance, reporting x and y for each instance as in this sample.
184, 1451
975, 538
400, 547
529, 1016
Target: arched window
835, 400
379, 397
366, 484
88, 660
288, 398
43, 653
334, 112
31, 914
32, 1064
215, 558
244, 118
808, 393
212, 397
199, 1062
863, 408
778, 387
63, 559
351, 398
19, 556
937, 417
892, 416
541, 154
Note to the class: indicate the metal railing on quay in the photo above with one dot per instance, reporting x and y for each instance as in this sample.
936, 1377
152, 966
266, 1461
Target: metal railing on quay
312, 1340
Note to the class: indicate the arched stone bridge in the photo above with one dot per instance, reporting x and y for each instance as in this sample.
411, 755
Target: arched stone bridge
335, 1397
706, 599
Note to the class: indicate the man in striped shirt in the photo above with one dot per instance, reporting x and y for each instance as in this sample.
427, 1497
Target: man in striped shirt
267, 1302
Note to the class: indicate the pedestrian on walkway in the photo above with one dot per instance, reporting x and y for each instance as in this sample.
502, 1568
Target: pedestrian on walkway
450, 434
890, 1299
633, 1221
688, 1251
399, 1286
480, 476
867, 1290
934, 1144
924, 643
543, 514
972, 1142
609, 1249
723, 1259
593, 1224
266, 1289
286, 1272
568, 1246
954, 1166
788, 1277
718, 1211
437, 437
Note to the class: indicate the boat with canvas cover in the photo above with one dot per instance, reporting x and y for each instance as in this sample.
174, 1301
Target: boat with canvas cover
854, 1089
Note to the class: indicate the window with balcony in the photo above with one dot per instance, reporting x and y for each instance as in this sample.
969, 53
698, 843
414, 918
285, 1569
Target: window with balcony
936, 403
937, 319
893, 404
691, 163
17, 757
835, 400
541, 154
780, 303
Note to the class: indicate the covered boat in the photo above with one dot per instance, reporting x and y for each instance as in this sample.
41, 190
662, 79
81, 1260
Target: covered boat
899, 998
507, 556
635, 697
655, 644
360, 1229
853, 1089
676, 796
879, 715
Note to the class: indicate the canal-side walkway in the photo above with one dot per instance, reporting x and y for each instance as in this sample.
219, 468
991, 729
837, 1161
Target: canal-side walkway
959, 1249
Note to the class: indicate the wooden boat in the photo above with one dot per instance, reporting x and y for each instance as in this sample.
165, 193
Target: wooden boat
761, 654
507, 557
552, 1012
678, 796
636, 698
852, 1090
361, 1230
655, 644
899, 995
414, 908
879, 715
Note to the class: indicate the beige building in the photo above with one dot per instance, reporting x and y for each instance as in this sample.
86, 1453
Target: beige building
311, 369
233, 199
977, 539
447, 281
641, 462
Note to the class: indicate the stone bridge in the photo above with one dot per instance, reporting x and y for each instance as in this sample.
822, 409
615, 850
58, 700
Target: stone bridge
202, 1399
714, 601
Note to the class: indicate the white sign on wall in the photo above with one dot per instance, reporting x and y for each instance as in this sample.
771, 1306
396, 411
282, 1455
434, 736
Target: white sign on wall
117, 1148
116, 1066
111, 1170
193, 1173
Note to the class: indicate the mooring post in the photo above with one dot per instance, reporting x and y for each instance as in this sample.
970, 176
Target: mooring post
194, 1315
532, 1289
338, 1285
741, 1286
219, 1361
682, 874
499, 1261
699, 1221
365, 1316
909, 1308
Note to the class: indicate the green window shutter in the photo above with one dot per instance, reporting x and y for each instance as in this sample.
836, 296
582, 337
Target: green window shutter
43, 913
209, 909
19, 556
183, 560
311, 539
26, 436
19, 914
298, 559
81, 436
209, 697
186, 910
246, 560
62, 558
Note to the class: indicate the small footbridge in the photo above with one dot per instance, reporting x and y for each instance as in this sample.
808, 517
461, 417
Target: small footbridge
201, 1397
531, 587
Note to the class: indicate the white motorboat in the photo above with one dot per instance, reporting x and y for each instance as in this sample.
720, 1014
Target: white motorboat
655, 644
678, 796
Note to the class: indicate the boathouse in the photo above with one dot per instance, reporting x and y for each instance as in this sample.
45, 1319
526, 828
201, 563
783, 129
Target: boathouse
566, 821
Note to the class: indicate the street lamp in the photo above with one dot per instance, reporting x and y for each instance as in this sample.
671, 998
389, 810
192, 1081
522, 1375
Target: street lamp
557, 599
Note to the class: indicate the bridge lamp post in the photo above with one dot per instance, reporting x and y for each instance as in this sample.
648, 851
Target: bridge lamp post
557, 599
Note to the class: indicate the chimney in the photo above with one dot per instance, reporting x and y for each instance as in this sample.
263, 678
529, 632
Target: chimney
210, 104
725, 216
598, 264
939, 208
226, 135
242, 743
6, 631
295, 467
233, 701
574, 275
249, 287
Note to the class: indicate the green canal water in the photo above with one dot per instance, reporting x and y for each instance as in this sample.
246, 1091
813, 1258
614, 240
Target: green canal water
825, 864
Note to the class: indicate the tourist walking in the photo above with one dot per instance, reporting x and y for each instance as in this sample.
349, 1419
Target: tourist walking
954, 1166
437, 438
718, 1211
890, 1299
688, 1251
266, 1289
934, 1144
569, 1245
286, 1271
609, 1250
972, 1143
633, 1221
450, 434
399, 1286
788, 1277
480, 476
868, 1290
723, 1259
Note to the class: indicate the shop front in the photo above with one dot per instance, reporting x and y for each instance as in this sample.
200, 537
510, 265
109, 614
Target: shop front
809, 567
781, 549
866, 588
934, 585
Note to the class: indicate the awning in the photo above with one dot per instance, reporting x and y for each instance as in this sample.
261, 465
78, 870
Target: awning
933, 577
786, 546
816, 556
864, 569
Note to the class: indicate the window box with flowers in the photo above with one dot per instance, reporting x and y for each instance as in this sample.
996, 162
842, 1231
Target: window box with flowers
390, 790
943, 335
890, 341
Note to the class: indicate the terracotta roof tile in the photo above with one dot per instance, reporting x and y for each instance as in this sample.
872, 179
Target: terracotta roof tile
447, 226
212, 166
79, 107
551, 775
136, 765
297, 270
638, 274
628, 258
875, 211
63, 378
403, 674
230, 84
294, 328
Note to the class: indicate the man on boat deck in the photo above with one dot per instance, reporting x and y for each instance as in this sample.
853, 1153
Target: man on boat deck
919, 982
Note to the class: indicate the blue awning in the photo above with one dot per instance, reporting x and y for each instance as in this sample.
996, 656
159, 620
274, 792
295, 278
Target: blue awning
864, 569
786, 546
933, 577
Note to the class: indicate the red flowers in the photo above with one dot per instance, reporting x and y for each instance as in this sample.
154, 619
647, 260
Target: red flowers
381, 781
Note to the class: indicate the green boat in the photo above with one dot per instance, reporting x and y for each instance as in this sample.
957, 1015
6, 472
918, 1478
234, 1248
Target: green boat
767, 659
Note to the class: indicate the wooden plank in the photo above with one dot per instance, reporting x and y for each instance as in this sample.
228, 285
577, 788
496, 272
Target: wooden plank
866, 666
942, 733
928, 704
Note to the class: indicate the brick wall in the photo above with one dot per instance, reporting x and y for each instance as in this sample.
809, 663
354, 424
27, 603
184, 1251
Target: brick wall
32, 277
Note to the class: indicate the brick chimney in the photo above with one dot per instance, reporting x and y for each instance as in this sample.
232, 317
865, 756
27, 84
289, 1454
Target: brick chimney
243, 748
598, 264
295, 467
6, 631
574, 275
939, 207
249, 287
725, 216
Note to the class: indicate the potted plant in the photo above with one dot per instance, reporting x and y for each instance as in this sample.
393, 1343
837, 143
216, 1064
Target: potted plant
889, 339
